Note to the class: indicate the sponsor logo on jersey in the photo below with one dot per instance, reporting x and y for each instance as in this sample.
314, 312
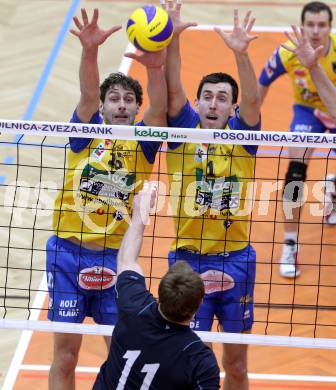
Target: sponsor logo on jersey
325, 118
194, 324
118, 184
221, 194
68, 308
245, 299
301, 82
50, 280
200, 153
96, 278
227, 223
215, 281
300, 72
302, 128
117, 215
247, 314
271, 66
211, 150
100, 150
269, 71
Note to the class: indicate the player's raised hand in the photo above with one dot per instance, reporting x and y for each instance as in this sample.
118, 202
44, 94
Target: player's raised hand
88, 32
149, 59
304, 51
143, 202
174, 11
239, 38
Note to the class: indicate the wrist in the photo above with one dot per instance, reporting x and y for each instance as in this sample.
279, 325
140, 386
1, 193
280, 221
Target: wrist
154, 67
175, 41
90, 51
240, 54
314, 67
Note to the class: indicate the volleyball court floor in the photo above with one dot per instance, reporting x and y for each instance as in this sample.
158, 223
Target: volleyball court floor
270, 367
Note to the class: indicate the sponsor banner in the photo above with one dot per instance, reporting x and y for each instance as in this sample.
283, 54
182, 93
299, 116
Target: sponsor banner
239, 137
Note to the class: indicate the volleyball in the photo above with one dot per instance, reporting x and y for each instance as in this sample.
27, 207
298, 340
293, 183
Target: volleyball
149, 28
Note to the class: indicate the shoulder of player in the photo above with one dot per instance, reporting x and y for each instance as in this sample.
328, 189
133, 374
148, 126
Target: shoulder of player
194, 344
199, 353
187, 117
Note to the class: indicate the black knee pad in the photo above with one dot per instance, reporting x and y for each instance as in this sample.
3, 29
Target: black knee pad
296, 173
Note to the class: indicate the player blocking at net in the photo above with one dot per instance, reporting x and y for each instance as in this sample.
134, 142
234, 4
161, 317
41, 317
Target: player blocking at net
93, 209
310, 115
309, 56
211, 233
153, 346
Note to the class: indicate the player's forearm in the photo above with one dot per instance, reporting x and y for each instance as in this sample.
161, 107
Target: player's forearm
156, 113
249, 102
130, 247
176, 94
262, 92
89, 83
248, 80
325, 88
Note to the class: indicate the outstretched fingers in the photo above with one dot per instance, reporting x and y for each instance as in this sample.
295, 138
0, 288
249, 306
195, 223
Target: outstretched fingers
163, 4
74, 32
150, 192
297, 33
84, 16
221, 32
77, 23
246, 19
235, 18
112, 30
291, 38
250, 25
319, 51
95, 16
289, 48
134, 56
170, 5
154, 192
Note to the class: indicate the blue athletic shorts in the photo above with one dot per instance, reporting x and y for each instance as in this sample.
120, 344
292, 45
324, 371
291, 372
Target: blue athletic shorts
80, 282
306, 120
229, 283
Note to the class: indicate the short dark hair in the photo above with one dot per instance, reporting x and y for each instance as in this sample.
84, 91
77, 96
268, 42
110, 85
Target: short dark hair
315, 7
126, 82
181, 292
215, 78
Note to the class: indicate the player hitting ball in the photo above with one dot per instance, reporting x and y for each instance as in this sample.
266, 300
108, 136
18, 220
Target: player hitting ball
152, 339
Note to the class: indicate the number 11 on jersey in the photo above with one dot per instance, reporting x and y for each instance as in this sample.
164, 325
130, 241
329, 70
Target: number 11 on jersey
148, 369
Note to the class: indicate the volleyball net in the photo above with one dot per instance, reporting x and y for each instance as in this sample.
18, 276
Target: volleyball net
34, 165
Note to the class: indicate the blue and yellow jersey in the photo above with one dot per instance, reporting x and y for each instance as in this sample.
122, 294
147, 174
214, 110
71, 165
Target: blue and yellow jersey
100, 180
305, 93
210, 189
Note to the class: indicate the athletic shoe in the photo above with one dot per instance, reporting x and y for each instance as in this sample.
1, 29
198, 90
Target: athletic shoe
288, 263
